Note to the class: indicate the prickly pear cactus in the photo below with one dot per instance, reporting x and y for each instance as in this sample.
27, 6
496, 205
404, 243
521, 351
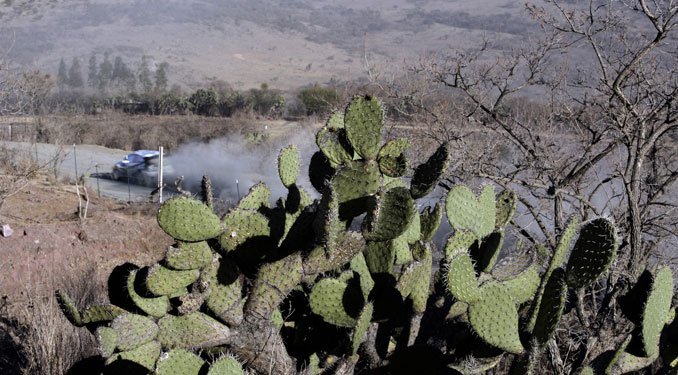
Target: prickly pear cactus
348, 281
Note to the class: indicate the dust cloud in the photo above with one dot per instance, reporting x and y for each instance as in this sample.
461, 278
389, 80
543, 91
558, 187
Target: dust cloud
234, 165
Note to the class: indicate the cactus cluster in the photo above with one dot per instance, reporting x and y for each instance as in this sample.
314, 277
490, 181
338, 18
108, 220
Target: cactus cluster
347, 282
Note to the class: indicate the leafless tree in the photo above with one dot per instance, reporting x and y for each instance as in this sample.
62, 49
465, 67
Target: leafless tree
22, 91
581, 120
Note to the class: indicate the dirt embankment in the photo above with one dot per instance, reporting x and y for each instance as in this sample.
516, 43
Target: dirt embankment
51, 244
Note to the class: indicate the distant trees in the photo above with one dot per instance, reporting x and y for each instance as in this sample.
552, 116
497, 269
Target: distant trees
122, 76
62, 75
115, 76
161, 77
144, 75
75, 75
105, 73
92, 74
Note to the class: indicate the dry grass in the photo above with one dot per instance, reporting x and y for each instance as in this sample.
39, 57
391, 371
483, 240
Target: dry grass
130, 132
35, 338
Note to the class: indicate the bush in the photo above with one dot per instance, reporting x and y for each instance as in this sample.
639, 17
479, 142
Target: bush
266, 102
204, 102
320, 100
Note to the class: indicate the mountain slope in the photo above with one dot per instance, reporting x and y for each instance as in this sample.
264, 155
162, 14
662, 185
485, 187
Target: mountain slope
284, 43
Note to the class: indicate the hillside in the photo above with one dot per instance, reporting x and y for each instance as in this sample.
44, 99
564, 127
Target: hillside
284, 43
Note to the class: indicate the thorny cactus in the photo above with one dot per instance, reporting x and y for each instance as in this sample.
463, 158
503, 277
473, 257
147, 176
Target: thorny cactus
307, 286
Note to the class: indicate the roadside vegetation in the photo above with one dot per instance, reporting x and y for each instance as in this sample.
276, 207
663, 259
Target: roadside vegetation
580, 122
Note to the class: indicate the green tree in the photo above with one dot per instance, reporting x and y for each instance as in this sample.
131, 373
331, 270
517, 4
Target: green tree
92, 73
145, 76
122, 75
62, 75
161, 77
75, 75
105, 72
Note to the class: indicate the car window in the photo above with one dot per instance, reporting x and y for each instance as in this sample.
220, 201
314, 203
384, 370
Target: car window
135, 159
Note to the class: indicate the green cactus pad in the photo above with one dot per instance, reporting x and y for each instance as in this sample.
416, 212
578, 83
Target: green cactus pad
390, 216
427, 175
322, 260
101, 313
133, 330
550, 308
333, 142
394, 148
145, 355
327, 300
226, 365
162, 281
401, 250
356, 180
363, 120
413, 232
274, 281
189, 220
487, 254
188, 255
393, 166
407, 278
336, 120
242, 225
224, 298
258, 196
288, 165
465, 212
359, 266
622, 362
592, 253
625, 363
655, 311
524, 285
195, 330
430, 221
462, 281
564, 244
461, 241
68, 308
391, 158
506, 207
156, 307
108, 341
379, 256
457, 309
179, 362
421, 286
327, 224
495, 318
361, 327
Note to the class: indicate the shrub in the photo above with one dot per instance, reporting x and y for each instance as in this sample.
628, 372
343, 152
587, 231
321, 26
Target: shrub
320, 100
204, 102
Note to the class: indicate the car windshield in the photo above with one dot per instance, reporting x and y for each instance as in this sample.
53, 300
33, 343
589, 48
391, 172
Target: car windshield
135, 159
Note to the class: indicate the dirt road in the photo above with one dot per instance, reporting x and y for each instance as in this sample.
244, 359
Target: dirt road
92, 161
